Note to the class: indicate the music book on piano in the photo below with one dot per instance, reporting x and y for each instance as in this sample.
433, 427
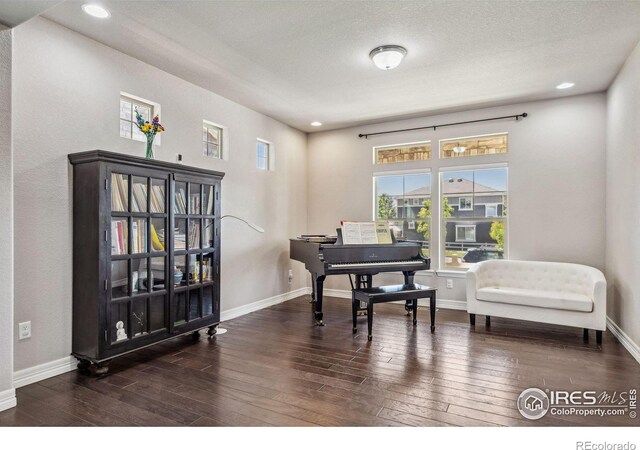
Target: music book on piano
366, 233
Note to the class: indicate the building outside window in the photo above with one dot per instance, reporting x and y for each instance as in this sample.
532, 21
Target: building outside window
474, 210
128, 106
404, 201
212, 144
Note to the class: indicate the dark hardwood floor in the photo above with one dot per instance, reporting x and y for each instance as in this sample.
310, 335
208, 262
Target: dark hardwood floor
275, 368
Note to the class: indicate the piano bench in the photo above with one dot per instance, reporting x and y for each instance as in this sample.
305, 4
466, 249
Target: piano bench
382, 294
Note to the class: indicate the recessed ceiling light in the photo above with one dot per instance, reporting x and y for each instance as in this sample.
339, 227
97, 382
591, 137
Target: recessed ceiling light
95, 10
316, 124
387, 57
565, 85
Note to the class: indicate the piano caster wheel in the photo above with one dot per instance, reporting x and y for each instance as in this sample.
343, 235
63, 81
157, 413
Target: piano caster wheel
319, 323
433, 328
369, 338
415, 322
355, 330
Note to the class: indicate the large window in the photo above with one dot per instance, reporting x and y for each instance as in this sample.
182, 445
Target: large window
390, 154
474, 210
405, 202
128, 106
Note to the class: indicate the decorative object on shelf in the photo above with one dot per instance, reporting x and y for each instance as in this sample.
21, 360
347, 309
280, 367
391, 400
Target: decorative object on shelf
150, 129
121, 334
140, 323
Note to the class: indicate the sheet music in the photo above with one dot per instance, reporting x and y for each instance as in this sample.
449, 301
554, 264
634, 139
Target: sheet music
383, 232
351, 233
366, 233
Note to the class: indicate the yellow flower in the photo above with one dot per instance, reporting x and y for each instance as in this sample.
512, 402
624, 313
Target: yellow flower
145, 127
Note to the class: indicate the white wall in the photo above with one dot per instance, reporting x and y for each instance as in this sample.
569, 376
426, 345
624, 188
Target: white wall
7, 394
623, 198
556, 165
67, 100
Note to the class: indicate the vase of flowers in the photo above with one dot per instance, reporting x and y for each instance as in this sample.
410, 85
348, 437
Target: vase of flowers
150, 129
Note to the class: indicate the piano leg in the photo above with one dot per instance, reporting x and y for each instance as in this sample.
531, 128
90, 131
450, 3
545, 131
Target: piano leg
318, 283
408, 279
313, 288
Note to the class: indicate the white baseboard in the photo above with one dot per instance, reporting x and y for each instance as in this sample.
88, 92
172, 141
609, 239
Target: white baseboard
69, 363
624, 339
7, 399
43, 371
261, 304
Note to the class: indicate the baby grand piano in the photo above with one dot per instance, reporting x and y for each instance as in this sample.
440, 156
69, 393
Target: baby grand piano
362, 260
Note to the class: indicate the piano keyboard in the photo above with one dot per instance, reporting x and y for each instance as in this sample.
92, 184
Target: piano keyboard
411, 262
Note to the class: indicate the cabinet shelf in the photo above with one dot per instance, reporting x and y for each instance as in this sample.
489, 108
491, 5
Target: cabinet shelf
128, 275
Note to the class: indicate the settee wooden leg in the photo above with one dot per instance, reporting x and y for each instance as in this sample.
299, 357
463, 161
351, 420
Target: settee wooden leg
472, 319
598, 337
488, 322
585, 335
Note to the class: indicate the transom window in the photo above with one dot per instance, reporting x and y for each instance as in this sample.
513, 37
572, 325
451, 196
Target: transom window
474, 146
128, 106
390, 154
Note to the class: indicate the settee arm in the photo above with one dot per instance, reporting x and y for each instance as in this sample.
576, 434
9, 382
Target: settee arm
473, 281
600, 302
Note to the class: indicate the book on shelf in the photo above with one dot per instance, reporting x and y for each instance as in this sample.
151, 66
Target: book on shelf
157, 198
194, 234
139, 197
118, 238
181, 201
210, 203
179, 241
119, 192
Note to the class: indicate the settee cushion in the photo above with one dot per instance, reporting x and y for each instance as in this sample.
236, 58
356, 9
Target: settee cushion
529, 297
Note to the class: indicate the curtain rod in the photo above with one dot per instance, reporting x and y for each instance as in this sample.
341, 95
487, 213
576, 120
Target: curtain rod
515, 116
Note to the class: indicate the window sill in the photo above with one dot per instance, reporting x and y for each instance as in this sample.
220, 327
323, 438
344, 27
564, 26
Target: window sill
452, 273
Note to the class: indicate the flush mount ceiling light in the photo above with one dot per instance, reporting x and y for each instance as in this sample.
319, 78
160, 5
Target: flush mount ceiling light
387, 57
316, 124
565, 85
95, 10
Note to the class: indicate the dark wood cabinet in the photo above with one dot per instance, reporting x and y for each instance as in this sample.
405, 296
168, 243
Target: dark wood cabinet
146, 253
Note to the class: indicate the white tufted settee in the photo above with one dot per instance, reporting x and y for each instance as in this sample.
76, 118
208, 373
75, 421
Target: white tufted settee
548, 292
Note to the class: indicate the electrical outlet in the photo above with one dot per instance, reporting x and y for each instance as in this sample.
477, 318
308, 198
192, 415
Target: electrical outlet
290, 276
449, 283
24, 330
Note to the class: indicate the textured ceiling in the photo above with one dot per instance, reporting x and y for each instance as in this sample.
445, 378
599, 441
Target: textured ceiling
300, 61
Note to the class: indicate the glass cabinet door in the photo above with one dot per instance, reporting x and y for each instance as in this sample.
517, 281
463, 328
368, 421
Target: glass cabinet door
194, 252
138, 271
